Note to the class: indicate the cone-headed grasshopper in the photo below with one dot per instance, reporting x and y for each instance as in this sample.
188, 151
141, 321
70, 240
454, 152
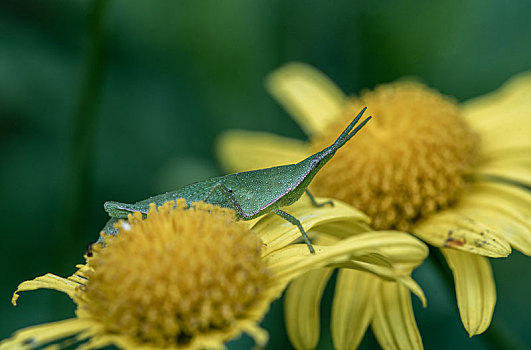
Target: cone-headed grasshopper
250, 193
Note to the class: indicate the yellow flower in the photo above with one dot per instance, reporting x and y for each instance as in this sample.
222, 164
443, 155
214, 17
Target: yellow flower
194, 278
449, 173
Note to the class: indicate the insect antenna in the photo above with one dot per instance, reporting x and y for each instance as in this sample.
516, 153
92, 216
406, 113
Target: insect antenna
347, 134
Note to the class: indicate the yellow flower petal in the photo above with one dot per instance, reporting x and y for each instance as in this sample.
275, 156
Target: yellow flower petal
285, 232
394, 261
452, 229
505, 139
352, 252
394, 322
38, 336
48, 281
475, 289
341, 229
352, 308
406, 255
308, 96
502, 116
508, 101
513, 172
517, 234
387, 273
240, 150
302, 306
518, 198
498, 204
520, 156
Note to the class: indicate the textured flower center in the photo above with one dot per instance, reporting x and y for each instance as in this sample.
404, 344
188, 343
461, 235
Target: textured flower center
176, 274
407, 163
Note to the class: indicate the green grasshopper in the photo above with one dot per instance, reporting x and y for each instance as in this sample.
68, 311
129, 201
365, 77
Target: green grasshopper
251, 193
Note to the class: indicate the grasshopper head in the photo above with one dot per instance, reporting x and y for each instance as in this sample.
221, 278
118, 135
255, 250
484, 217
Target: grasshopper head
315, 162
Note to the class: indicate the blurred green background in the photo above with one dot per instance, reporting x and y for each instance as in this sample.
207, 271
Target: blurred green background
120, 99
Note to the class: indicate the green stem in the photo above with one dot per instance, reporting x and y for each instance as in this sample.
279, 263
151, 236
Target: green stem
82, 144
496, 336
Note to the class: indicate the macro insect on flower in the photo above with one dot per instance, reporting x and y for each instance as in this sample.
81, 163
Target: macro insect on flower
250, 194
189, 276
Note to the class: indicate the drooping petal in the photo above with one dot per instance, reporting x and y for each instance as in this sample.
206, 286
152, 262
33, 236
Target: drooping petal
239, 150
309, 96
514, 172
41, 335
393, 261
386, 273
406, 256
350, 252
394, 323
453, 229
276, 232
48, 281
302, 308
353, 307
475, 289
502, 117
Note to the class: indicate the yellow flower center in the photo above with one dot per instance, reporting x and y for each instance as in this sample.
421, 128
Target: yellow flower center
175, 275
407, 163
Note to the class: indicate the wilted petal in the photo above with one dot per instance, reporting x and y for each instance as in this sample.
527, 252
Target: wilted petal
394, 322
309, 96
475, 289
239, 150
302, 308
452, 229
48, 281
353, 307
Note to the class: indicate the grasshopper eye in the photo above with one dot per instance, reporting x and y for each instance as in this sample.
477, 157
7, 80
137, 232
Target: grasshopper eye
314, 163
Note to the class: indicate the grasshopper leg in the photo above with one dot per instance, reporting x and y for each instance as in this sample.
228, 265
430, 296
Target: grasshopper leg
227, 193
314, 202
297, 223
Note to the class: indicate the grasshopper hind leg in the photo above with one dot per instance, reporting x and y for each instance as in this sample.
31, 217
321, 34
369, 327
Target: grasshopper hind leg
297, 223
317, 204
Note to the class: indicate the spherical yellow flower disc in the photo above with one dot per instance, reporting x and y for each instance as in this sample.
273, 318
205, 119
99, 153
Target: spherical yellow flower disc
408, 163
181, 287
192, 277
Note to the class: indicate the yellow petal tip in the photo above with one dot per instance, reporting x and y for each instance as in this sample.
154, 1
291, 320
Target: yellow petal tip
15, 298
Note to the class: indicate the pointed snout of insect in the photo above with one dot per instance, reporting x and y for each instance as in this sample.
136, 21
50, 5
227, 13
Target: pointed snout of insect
329, 152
